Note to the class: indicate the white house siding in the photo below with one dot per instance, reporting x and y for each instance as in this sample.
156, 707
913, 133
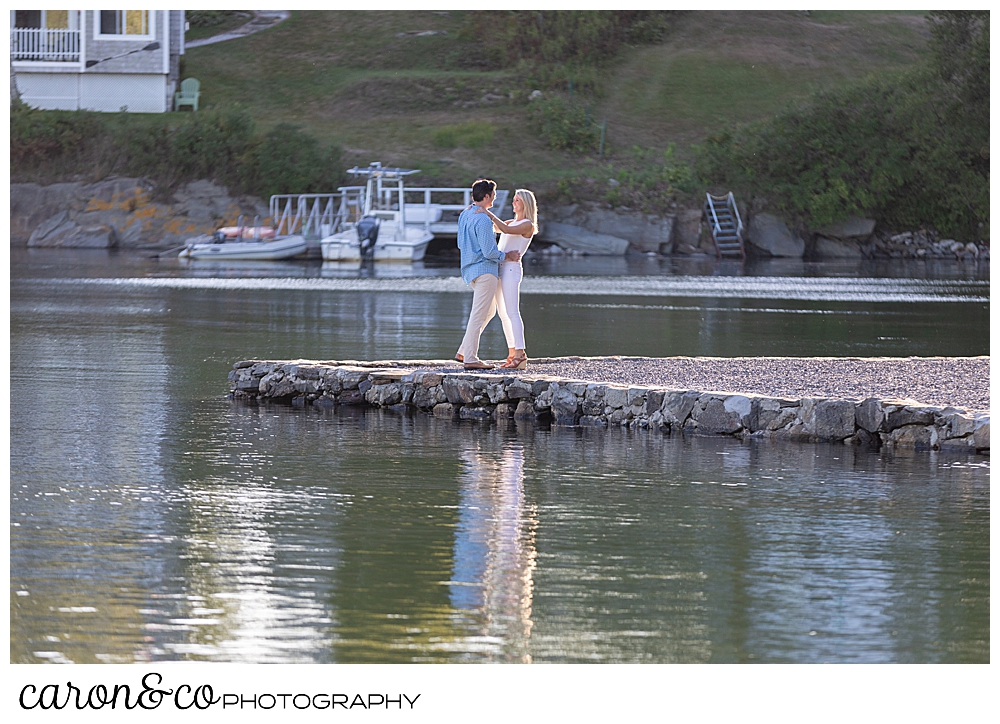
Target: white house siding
49, 91
108, 92
111, 92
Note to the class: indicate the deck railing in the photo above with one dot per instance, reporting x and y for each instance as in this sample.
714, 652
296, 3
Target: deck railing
45, 44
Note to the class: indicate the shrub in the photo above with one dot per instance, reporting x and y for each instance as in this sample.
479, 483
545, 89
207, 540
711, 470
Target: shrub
582, 37
564, 124
292, 161
170, 150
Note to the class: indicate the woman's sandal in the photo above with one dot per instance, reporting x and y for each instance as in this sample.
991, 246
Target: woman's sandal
516, 362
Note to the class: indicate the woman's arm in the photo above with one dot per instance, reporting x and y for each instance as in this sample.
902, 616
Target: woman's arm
516, 228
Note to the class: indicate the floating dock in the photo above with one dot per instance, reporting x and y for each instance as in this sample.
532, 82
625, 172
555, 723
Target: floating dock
837, 400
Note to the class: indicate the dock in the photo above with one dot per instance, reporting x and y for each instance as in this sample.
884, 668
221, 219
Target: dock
918, 403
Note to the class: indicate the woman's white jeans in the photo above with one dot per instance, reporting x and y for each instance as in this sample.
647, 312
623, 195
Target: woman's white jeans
509, 303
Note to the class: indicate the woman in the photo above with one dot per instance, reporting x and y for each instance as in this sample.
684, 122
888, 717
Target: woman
514, 234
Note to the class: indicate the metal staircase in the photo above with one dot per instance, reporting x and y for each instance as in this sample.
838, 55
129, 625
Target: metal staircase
727, 227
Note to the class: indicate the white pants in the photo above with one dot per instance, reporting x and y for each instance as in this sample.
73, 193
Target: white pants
509, 303
484, 306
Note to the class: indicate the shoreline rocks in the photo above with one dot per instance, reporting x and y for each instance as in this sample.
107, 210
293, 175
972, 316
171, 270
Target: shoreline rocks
428, 386
122, 213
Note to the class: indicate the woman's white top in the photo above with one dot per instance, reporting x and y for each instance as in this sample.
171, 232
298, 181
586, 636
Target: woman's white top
510, 242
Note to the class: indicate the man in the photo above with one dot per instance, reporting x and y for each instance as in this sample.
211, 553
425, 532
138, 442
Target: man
480, 269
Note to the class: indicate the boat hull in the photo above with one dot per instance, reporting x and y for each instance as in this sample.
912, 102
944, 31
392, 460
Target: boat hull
276, 250
345, 246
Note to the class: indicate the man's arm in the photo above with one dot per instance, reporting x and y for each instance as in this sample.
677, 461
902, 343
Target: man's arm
487, 242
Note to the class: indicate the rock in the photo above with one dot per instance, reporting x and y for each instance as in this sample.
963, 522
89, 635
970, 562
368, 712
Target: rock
565, 406
615, 397
444, 409
687, 233
900, 416
981, 437
94, 237
853, 228
474, 413
712, 416
834, 419
677, 406
827, 248
769, 234
868, 415
121, 212
919, 437
525, 411
575, 238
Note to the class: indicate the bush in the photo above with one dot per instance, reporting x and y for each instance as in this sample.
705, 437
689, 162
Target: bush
170, 150
564, 124
292, 161
582, 37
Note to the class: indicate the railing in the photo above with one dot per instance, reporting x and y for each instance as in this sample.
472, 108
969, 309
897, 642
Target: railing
45, 44
717, 229
731, 202
386, 199
316, 215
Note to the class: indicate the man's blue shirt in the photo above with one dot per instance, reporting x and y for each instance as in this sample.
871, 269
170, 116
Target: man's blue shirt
478, 245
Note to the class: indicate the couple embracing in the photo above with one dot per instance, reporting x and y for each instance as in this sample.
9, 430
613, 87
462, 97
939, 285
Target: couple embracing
494, 271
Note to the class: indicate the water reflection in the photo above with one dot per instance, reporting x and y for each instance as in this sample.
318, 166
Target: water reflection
495, 548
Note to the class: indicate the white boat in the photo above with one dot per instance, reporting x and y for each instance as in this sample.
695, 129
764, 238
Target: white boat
380, 233
286, 247
243, 244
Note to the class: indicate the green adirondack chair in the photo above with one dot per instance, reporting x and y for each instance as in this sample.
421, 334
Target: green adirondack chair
188, 94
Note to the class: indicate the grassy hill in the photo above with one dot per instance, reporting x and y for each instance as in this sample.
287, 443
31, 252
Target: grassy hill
373, 83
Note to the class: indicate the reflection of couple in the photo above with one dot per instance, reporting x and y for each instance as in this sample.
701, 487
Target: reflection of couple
494, 271
494, 554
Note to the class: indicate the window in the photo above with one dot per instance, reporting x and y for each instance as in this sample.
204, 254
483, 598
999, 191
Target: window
124, 22
49, 19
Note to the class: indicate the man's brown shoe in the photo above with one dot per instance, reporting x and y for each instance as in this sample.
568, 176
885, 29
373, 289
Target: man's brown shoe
478, 366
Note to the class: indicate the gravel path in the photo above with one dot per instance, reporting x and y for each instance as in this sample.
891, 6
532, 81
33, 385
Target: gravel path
957, 381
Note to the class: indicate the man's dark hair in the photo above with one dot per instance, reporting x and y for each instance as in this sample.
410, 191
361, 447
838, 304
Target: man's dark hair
482, 188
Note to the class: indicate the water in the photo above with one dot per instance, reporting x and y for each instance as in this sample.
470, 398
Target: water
153, 519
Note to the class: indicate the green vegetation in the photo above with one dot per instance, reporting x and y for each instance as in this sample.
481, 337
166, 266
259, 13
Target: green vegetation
171, 149
564, 124
908, 148
830, 102
470, 135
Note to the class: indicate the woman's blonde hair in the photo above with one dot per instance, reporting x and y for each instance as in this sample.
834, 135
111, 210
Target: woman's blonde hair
530, 207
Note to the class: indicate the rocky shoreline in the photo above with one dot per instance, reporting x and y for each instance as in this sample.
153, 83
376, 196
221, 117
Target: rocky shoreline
127, 213
545, 393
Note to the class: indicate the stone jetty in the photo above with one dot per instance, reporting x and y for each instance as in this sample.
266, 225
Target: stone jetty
443, 389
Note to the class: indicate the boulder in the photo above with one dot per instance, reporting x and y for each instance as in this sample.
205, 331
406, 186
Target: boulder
687, 231
827, 248
578, 239
853, 228
644, 232
769, 234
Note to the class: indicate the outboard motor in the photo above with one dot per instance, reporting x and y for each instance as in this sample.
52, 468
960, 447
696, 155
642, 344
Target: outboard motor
368, 234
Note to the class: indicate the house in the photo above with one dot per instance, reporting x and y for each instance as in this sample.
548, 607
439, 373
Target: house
100, 60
